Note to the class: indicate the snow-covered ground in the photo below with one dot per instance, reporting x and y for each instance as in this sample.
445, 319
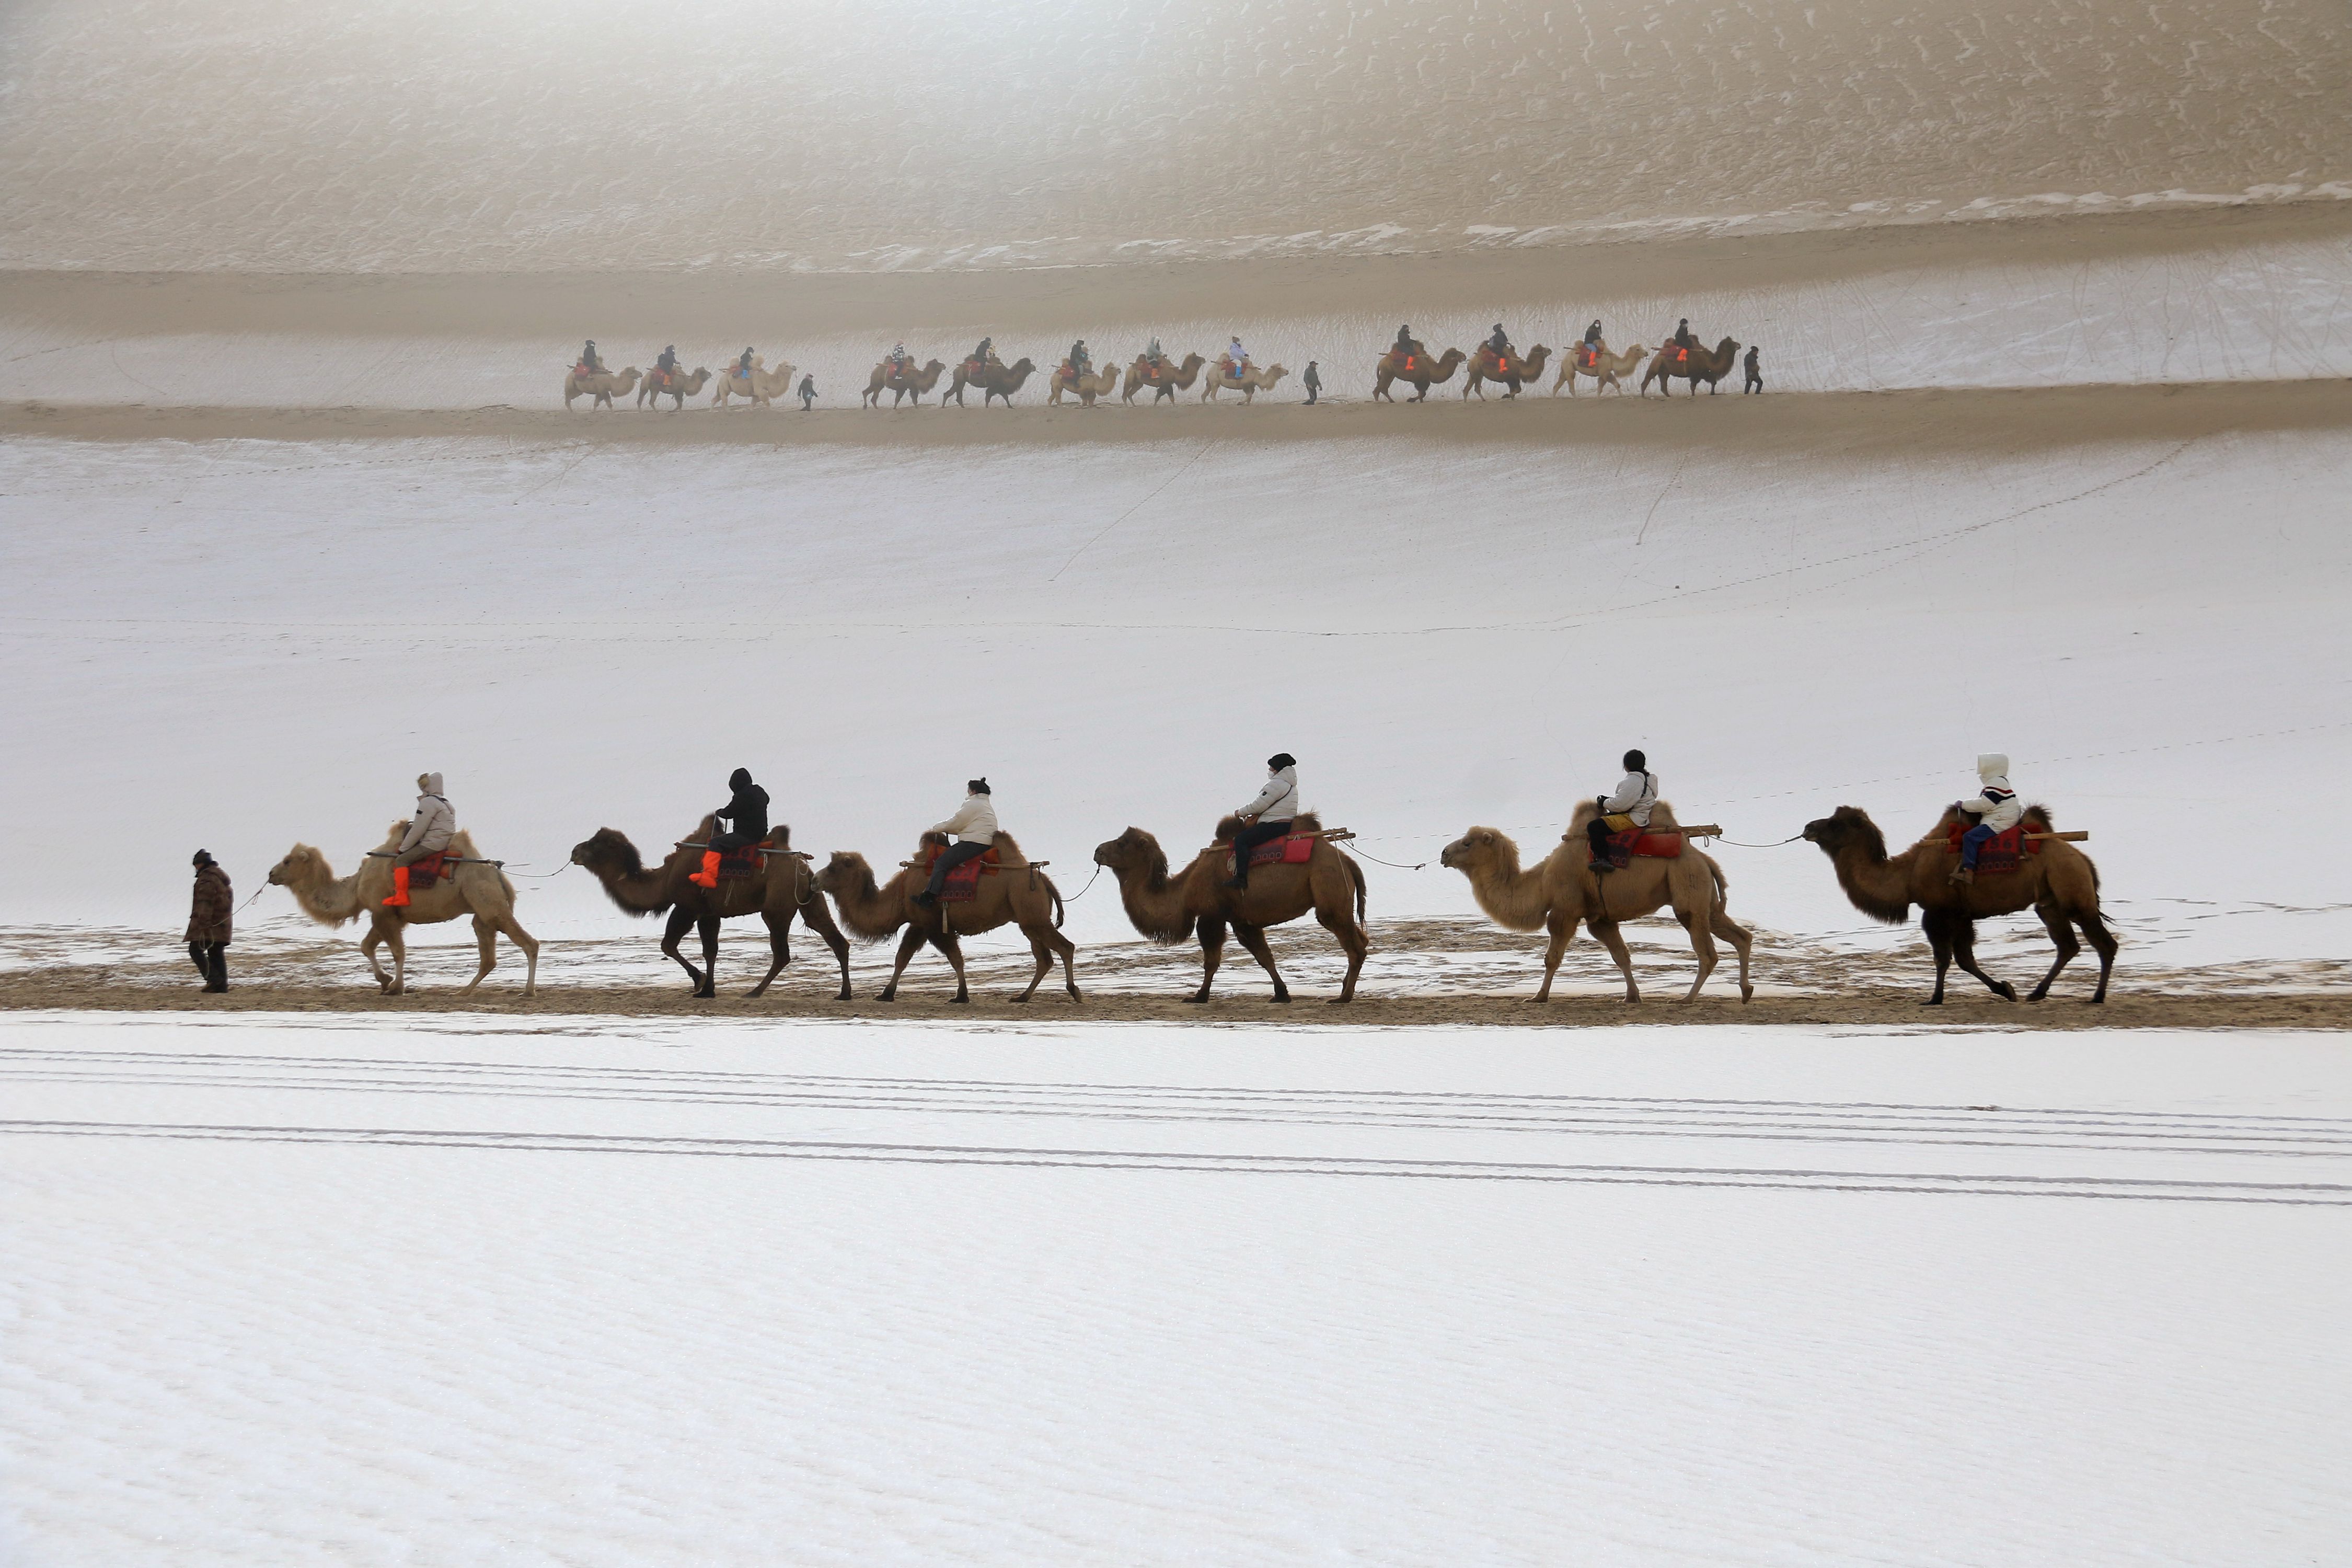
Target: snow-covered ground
293, 1290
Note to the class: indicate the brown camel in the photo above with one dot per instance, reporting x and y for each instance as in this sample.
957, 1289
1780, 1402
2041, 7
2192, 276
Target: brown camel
783, 888
1085, 388
478, 890
1168, 909
1692, 366
994, 381
1604, 369
759, 389
1018, 892
914, 384
2059, 884
677, 385
1164, 380
1565, 890
600, 386
1249, 384
1417, 371
1507, 374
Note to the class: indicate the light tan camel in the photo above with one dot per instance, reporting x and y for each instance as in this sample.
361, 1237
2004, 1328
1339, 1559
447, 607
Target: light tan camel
1085, 388
1604, 369
760, 390
479, 890
601, 387
1165, 380
1249, 384
784, 889
677, 387
1417, 371
914, 384
1017, 892
1169, 909
1510, 374
2059, 884
1564, 890
1694, 366
995, 379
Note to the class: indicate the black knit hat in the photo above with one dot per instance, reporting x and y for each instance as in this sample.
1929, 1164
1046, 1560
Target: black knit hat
1281, 760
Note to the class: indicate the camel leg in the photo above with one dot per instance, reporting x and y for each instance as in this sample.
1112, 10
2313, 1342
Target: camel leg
1702, 937
1611, 938
392, 937
1964, 954
681, 920
2062, 933
1042, 954
1939, 942
1741, 941
368, 945
1254, 939
952, 951
1563, 931
708, 926
1353, 941
1212, 954
486, 938
908, 945
2103, 943
780, 947
528, 944
819, 919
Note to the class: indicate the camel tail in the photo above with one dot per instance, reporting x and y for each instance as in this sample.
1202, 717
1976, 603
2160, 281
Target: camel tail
1356, 875
1058, 906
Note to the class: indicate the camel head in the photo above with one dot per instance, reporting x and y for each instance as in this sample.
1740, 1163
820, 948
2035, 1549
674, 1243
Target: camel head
608, 853
1021, 366
843, 872
1849, 826
1133, 850
303, 867
1480, 849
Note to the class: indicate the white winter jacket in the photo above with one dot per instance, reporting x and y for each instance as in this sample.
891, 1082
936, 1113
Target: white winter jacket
1278, 801
430, 828
1635, 795
1995, 802
973, 823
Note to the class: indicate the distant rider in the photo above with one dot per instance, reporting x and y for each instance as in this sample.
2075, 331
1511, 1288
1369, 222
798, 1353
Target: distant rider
744, 366
746, 816
986, 353
1236, 360
430, 828
1154, 356
1683, 339
1623, 808
589, 363
1080, 362
1593, 334
1268, 816
1996, 808
974, 826
1499, 344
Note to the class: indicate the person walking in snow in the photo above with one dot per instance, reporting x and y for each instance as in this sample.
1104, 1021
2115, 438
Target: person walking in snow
1995, 808
974, 826
1268, 816
1312, 382
1623, 808
1755, 372
808, 392
208, 923
430, 829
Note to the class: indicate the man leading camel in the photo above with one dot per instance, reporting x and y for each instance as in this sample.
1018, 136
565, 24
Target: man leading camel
208, 923
429, 830
746, 816
974, 826
1268, 816
1625, 808
1996, 808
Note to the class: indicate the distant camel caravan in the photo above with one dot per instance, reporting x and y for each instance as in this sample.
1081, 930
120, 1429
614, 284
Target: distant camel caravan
1007, 888
600, 385
467, 885
1169, 909
910, 383
1565, 890
1417, 371
2053, 879
1507, 371
1602, 366
1694, 366
779, 889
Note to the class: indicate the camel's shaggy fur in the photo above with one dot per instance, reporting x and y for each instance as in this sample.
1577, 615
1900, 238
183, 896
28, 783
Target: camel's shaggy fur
480, 891
1016, 891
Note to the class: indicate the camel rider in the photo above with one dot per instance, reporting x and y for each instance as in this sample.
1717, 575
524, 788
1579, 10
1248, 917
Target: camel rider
985, 353
1996, 810
1499, 344
746, 816
744, 366
1683, 339
974, 826
1406, 343
429, 830
589, 363
900, 361
1593, 334
1154, 355
667, 362
1236, 360
1268, 816
1080, 362
1625, 808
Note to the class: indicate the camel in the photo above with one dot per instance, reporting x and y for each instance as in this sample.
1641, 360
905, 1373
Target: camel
1509, 373
677, 387
601, 387
2059, 884
994, 381
1085, 388
478, 890
1565, 890
1169, 909
759, 389
1417, 371
1249, 384
1605, 368
914, 384
1692, 366
1018, 892
1165, 380
783, 889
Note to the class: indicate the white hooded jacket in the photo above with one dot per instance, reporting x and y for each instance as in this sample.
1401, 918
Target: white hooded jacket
430, 829
974, 821
1995, 802
1278, 801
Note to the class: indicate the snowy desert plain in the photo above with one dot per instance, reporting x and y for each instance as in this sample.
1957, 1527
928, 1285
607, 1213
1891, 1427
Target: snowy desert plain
2055, 309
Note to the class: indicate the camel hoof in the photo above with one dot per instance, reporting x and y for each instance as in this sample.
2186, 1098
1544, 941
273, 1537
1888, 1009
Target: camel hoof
1023, 997
1283, 998
959, 1001
1338, 1001
843, 996
1933, 1002
1198, 996
1075, 996
1747, 992
2005, 991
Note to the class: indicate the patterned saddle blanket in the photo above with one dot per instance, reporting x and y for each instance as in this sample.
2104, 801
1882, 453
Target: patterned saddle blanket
1623, 846
1294, 850
963, 883
2001, 852
429, 872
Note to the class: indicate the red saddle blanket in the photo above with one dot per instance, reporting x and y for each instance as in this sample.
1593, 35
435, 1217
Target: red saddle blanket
735, 865
424, 873
1294, 850
1492, 363
1674, 354
2001, 852
963, 882
1623, 846
1587, 357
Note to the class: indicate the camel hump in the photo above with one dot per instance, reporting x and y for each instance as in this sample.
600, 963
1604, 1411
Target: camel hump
461, 846
1007, 852
1305, 822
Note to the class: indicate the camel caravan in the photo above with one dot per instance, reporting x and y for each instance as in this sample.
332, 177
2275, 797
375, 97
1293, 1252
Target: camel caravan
1074, 377
1624, 856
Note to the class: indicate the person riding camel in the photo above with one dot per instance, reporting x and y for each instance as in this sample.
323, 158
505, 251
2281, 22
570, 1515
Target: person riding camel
746, 816
899, 361
974, 826
1593, 334
985, 354
744, 366
1499, 344
1080, 362
1623, 808
1407, 348
1154, 355
1268, 816
430, 828
1683, 339
1236, 360
589, 363
1996, 810
666, 364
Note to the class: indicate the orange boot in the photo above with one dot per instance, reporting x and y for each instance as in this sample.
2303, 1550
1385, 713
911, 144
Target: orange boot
709, 875
399, 887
